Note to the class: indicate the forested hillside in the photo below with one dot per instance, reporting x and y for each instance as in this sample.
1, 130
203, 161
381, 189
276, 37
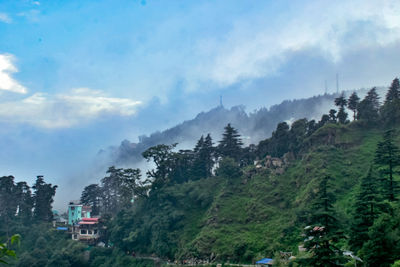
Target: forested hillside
325, 191
253, 126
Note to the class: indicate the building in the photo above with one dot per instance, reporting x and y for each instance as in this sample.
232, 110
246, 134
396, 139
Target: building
77, 211
58, 220
87, 230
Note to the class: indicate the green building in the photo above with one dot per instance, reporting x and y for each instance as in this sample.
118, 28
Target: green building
77, 211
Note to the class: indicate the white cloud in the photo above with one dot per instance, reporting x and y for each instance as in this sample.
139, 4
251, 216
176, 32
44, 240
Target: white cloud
65, 110
7, 83
258, 46
5, 18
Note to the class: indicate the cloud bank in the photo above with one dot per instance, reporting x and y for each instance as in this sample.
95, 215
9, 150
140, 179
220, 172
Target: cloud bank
258, 46
78, 106
7, 68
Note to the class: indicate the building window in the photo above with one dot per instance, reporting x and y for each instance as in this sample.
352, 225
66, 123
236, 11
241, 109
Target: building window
95, 231
83, 232
89, 232
75, 237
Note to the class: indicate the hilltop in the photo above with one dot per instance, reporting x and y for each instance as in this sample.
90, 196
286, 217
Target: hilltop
253, 126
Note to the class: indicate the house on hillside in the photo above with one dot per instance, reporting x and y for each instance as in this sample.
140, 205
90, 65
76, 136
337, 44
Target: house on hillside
87, 230
58, 220
77, 211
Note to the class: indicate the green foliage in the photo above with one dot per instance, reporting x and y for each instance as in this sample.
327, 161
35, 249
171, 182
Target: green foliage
228, 169
387, 157
391, 109
91, 196
243, 212
353, 103
341, 102
204, 158
383, 244
368, 206
6, 252
118, 189
43, 196
323, 232
368, 109
231, 144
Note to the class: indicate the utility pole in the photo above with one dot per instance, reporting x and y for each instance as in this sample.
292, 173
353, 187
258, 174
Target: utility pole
326, 87
337, 83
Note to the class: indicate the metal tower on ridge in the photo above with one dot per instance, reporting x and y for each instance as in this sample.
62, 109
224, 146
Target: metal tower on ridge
326, 87
337, 83
220, 101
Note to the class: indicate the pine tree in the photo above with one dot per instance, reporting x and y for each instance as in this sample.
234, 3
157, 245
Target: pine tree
323, 231
204, 158
91, 196
368, 109
111, 190
199, 145
391, 109
387, 157
279, 143
367, 208
393, 92
382, 246
231, 144
341, 102
8, 203
297, 134
43, 199
208, 155
353, 103
25, 202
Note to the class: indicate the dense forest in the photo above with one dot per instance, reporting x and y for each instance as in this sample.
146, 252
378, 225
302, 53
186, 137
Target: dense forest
325, 192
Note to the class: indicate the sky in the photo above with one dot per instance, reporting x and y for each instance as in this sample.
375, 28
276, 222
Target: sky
77, 76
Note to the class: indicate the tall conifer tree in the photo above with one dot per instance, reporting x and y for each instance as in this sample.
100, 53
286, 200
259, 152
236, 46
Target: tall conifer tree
368, 109
231, 144
341, 102
387, 157
391, 108
367, 207
43, 199
323, 232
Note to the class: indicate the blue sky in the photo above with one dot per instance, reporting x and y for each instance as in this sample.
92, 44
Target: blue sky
78, 76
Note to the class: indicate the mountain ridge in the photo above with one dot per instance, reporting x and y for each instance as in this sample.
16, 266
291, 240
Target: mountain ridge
254, 126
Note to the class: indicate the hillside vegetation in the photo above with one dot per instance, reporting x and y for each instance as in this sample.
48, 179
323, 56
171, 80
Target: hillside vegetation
316, 189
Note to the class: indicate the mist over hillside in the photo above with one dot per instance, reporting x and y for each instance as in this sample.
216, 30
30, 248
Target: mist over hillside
254, 127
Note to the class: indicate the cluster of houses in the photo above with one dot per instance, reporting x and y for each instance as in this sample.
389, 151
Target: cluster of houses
80, 224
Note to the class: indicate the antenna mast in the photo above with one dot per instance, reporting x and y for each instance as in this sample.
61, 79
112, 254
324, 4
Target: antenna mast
326, 87
337, 83
220, 100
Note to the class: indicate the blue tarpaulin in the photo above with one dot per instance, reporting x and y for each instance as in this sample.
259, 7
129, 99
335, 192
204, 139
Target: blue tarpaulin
264, 261
62, 228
